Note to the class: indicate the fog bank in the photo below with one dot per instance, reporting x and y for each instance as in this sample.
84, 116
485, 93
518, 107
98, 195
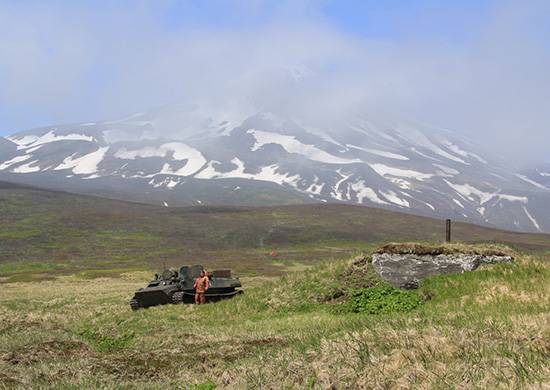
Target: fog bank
64, 62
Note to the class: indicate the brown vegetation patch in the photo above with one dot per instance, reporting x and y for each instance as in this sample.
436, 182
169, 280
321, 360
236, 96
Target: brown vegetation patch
360, 274
150, 365
47, 350
197, 357
278, 341
445, 249
8, 381
494, 293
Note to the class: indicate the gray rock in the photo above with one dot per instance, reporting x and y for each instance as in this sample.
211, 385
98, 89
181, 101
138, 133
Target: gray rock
408, 270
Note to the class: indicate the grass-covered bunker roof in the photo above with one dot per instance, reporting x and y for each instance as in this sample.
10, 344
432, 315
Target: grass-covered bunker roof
445, 249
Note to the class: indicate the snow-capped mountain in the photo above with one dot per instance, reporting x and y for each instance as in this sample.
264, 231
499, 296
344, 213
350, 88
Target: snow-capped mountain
261, 159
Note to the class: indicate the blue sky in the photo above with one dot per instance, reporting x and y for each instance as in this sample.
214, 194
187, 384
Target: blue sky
65, 61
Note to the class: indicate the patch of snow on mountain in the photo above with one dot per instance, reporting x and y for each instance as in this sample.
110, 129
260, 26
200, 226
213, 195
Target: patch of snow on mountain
362, 191
145, 152
315, 188
384, 170
533, 220
185, 152
292, 145
27, 168
156, 184
22, 141
172, 183
401, 183
413, 149
86, 164
429, 205
168, 182
446, 170
336, 194
33, 149
392, 197
319, 133
513, 198
381, 153
92, 176
228, 119
532, 182
210, 172
270, 173
15, 160
370, 129
239, 171
139, 175
180, 151
456, 149
32, 141
468, 191
416, 137
458, 203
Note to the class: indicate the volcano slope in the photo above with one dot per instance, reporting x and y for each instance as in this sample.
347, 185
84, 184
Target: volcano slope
46, 233
267, 159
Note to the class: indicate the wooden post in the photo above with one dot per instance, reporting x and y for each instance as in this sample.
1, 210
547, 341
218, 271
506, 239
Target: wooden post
448, 230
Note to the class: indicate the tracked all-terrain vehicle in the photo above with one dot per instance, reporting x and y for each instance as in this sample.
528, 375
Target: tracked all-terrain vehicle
178, 287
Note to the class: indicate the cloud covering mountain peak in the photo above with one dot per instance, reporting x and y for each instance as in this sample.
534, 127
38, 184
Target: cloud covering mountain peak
70, 62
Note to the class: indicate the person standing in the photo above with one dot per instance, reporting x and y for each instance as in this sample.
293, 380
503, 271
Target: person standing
201, 287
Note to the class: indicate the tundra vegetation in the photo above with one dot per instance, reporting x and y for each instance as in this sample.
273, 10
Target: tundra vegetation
314, 315
45, 234
483, 329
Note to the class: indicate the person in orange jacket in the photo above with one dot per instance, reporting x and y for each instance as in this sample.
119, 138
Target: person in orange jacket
201, 287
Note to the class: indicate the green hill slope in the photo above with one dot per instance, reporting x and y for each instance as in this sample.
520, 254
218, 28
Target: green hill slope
46, 233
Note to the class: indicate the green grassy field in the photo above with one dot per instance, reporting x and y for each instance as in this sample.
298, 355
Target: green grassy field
484, 329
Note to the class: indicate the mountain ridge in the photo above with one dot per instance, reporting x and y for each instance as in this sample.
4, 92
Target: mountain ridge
267, 159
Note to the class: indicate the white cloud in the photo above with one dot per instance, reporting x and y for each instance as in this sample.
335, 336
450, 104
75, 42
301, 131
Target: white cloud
79, 63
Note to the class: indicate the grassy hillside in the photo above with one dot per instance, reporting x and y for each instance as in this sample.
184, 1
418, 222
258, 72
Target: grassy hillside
483, 329
335, 325
45, 233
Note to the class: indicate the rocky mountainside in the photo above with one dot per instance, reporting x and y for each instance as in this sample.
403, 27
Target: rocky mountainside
265, 159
